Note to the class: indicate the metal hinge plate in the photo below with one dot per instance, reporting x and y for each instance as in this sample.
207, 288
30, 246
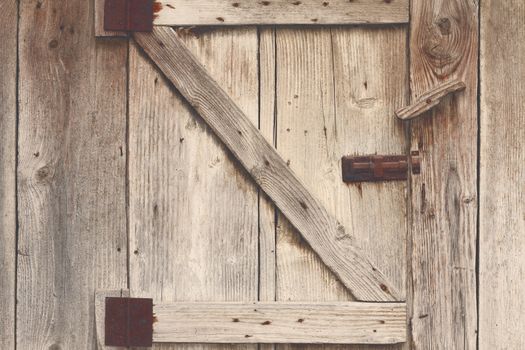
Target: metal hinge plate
128, 15
129, 322
379, 167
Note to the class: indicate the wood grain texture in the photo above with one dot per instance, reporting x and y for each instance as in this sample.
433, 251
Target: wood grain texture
336, 90
278, 322
71, 174
267, 210
502, 160
444, 45
8, 62
325, 234
429, 99
193, 214
252, 12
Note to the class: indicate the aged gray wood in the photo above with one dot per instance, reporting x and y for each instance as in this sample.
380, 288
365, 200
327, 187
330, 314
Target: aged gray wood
325, 234
246, 12
8, 25
193, 215
502, 207
444, 45
280, 322
429, 99
267, 210
323, 115
71, 174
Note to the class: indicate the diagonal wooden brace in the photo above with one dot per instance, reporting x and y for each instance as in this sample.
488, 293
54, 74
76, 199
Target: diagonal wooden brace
321, 230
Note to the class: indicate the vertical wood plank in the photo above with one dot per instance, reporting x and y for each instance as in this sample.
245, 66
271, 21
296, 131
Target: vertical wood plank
8, 49
336, 92
502, 211
267, 211
444, 45
71, 173
193, 214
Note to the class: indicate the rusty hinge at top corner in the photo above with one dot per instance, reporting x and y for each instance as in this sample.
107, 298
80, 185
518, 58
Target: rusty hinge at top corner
379, 167
128, 15
128, 322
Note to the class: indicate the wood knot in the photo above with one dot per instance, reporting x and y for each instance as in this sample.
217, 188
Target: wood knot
44, 173
53, 44
444, 26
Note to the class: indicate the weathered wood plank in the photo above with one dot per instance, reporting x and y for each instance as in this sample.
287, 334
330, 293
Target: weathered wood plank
502, 218
444, 45
267, 210
323, 115
252, 12
71, 174
280, 322
429, 99
8, 52
325, 234
193, 214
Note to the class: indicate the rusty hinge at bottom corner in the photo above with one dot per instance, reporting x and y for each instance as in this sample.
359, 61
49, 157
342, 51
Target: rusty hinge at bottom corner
128, 15
128, 322
379, 167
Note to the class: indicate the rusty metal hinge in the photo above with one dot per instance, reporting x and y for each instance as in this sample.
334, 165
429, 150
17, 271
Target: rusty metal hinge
379, 167
128, 15
129, 322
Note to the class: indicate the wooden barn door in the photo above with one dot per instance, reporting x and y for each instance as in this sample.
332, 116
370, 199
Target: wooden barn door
111, 179
200, 230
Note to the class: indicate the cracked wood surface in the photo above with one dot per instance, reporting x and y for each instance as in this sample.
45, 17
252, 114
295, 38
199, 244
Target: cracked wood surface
325, 235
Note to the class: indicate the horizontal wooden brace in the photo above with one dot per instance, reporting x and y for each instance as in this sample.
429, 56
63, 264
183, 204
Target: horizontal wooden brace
328, 238
280, 322
257, 12
272, 322
246, 12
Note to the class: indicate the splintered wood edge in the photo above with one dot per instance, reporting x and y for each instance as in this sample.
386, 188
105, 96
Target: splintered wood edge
100, 314
321, 230
430, 99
